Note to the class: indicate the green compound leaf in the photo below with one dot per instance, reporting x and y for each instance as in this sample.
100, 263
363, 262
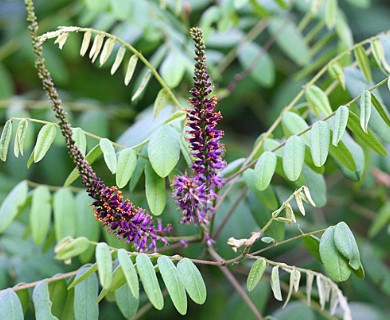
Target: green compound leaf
129, 272
40, 215
10, 306
11, 205
127, 161
319, 142
368, 138
42, 303
318, 101
79, 138
256, 273
192, 280
45, 138
264, 170
340, 121
164, 150
5, 140
275, 283
104, 263
161, 101
293, 157
149, 281
365, 109
380, 108
126, 302
19, 137
363, 62
108, 154
173, 283
64, 214
346, 244
334, 262
155, 190
85, 297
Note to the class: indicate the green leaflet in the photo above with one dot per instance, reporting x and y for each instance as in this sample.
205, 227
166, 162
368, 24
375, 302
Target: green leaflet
275, 283
19, 137
108, 154
342, 156
331, 13
129, 272
319, 142
90, 157
312, 244
256, 273
340, 121
142, 86
173, 284
155, 190
104, 263
69, 247
42, 303
336, 72
295, 277
149, 281
172, 68
118, 59
96, 47
346, 244
106, 52
85, 297
265, 169
5, 140
318, 101
381, 110
288, 37
118, 280
365, 109
293, 157
127, 161
45, 138
85, 43
79, 138
381, 221
86, 224
164, 150
126, 302
266, 196
161, 101
367, 137
130, 68
192, 280
379, 55
363, 62
263, 70
293, 124
11, 205
10, 307
90, 270
64, 214
40, 214
335, 264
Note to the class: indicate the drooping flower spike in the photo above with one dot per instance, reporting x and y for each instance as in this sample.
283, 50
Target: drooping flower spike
195, 194
120, 216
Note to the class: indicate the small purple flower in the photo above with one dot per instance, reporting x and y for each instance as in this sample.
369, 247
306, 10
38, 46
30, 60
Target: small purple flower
195, 195
121, 217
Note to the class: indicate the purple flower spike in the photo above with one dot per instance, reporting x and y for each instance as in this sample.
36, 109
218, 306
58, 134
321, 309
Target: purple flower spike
121, 217
195, 195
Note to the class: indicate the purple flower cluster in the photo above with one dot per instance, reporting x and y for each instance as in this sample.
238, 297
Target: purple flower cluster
195, 194
128, 222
